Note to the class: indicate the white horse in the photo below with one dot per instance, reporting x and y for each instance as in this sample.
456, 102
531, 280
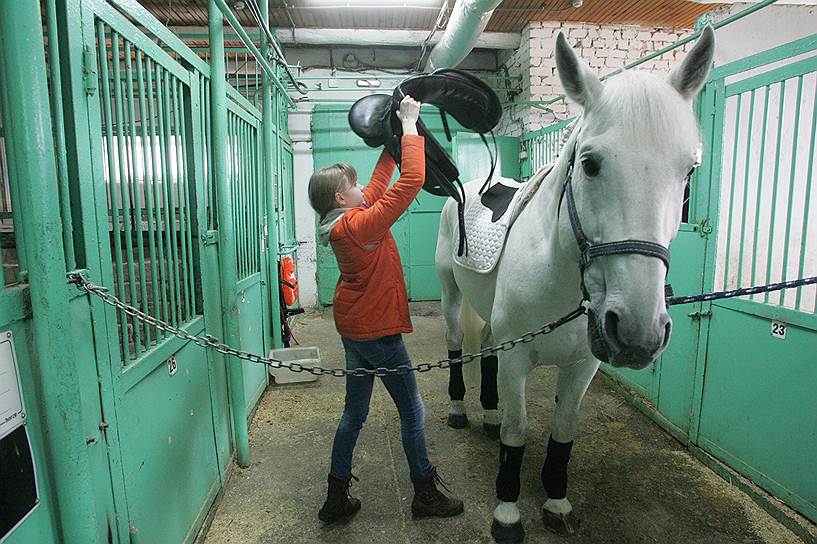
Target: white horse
622, 177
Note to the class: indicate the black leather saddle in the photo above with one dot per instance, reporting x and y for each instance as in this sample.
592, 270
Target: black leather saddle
467, 99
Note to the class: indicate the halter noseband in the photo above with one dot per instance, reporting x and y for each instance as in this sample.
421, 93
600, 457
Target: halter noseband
589, 251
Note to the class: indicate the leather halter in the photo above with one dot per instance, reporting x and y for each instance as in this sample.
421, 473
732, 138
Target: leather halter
589, 250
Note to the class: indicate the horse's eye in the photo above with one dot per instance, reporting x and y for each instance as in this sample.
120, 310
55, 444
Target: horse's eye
591, 166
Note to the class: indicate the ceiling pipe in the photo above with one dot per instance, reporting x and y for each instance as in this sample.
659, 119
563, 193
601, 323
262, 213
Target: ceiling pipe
467, 21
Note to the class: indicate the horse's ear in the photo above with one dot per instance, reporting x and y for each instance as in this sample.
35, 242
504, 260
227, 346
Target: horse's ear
579, 82
690, 76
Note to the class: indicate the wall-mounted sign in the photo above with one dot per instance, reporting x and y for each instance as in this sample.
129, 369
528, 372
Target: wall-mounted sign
19, 494
11, 397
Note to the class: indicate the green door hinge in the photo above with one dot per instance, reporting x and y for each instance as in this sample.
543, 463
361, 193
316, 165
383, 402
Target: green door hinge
89, 70
704, 228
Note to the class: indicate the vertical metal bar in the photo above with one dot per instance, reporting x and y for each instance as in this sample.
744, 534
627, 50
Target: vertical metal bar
166, 136
791, 187
246, 198
253, 208
171, 126
809, 184
772, 216
746, 185
159, 177
137, 206
211, 178
118, 148
270, 177
190, 279
59, 136
148, 180
759, 196
125, 187
181, 241
256, 226
181, 186
27, 126
729, 216
227, 259
163, 123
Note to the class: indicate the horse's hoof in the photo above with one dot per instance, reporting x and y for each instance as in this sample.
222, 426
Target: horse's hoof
507, 534
561, 524
457, 421
491, 430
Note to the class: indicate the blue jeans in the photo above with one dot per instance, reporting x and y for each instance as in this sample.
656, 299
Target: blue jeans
388, 352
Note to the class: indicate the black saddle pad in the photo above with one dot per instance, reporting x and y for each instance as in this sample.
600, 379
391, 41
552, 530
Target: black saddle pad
497, 198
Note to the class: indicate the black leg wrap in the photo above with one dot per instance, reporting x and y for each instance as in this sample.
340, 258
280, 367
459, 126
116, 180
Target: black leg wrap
507, 481
488, 396
554, 471
456, 385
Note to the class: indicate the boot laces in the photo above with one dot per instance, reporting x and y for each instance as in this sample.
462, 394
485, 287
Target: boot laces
349, 485
438, 480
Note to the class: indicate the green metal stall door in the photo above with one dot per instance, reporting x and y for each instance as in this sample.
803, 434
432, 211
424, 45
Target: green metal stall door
244, 171
416, 231
150, 210
757, 410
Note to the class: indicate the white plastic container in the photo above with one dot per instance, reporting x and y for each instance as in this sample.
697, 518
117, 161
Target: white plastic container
306, 356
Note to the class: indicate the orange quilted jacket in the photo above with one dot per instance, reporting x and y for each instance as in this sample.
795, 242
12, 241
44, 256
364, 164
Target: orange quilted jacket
370, 298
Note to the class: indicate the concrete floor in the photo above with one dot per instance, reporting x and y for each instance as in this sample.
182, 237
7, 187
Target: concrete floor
628, 481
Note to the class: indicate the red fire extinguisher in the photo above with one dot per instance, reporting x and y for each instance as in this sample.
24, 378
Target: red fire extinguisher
289, 281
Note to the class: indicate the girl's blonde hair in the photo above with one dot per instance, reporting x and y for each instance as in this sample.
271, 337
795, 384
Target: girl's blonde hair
327, 181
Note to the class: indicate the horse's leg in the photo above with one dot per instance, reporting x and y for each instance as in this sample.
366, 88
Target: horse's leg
488, 395
507, 526
557, 512
451, 299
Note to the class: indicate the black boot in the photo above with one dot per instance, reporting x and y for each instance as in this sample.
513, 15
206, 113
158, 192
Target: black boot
431, 502
339, 505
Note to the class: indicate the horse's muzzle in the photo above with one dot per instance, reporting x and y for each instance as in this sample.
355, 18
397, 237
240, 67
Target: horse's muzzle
607, 347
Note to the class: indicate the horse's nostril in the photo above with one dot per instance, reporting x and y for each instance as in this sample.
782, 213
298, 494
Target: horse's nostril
611, 327
667, 331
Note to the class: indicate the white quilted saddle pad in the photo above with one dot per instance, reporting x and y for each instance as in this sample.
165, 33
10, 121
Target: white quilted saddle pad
485, 239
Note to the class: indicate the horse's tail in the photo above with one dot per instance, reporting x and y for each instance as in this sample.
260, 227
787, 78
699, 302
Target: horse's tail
472, 326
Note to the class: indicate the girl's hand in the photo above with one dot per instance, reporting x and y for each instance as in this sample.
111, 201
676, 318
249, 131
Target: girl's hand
408, 114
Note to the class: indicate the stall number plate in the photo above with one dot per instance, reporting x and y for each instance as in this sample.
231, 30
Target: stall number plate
171, 366
779, 329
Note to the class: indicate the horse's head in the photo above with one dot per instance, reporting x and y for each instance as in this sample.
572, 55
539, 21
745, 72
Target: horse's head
634, 151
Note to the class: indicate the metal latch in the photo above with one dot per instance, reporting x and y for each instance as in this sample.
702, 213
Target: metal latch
700, 315
209, 238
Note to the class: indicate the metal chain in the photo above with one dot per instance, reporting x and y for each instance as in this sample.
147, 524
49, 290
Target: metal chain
210, 342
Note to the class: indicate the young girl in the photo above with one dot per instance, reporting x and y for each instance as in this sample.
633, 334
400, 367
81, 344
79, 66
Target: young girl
371, 312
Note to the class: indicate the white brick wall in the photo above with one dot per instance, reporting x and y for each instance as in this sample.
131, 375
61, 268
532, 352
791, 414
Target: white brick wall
604, 48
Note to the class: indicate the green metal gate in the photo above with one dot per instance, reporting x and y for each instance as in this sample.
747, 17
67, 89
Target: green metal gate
149, 195
754, 409
140, 432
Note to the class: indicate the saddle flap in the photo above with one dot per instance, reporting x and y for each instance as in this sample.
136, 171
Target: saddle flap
369, 119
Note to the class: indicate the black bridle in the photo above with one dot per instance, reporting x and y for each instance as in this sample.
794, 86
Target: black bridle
590, 251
